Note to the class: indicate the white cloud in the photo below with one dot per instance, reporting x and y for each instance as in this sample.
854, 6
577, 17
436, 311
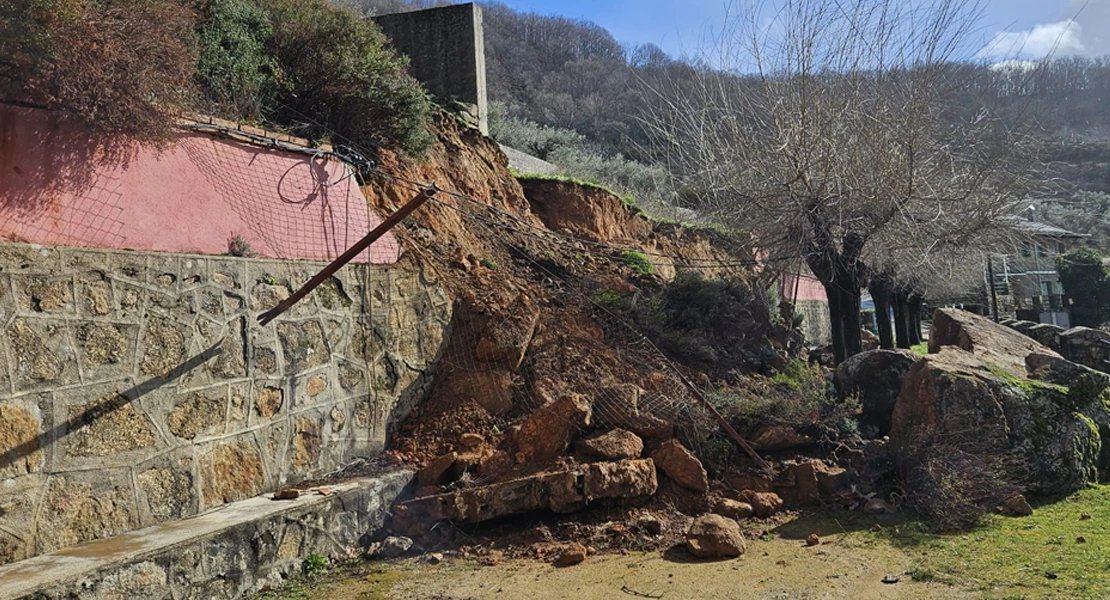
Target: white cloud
1061, 38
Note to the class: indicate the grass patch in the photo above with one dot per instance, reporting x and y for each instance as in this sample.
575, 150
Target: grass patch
637, 262
1032, 557
1027, 385
794, 375
375, 581
922, 348
628, 200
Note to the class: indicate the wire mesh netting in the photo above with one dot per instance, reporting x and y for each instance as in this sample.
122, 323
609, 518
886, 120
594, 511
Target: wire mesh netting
552, 335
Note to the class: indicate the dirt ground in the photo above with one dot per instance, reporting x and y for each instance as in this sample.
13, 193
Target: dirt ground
779, 569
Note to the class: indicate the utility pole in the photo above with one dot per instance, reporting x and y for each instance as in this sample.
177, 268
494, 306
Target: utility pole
994, 288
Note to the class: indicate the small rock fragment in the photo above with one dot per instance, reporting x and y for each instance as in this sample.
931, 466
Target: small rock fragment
471, 440
764, 504
392, 547
813, 540
733, 509
572, 555
650, 524
492, 559
877, 506
1085, 516
324, 490
434, 558
888, 579
1080, 540
1017, 506
286, 494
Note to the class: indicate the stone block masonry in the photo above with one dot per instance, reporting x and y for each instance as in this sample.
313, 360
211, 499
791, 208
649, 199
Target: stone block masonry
136, 388
219, 555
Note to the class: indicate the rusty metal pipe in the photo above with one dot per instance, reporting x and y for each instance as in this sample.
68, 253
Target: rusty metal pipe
416, 202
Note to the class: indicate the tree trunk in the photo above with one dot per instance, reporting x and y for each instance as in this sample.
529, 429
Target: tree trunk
901, 320
844, 313
839, 273
914, 304
880, 288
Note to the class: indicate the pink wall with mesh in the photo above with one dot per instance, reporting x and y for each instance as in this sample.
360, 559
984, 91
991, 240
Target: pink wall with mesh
60, 185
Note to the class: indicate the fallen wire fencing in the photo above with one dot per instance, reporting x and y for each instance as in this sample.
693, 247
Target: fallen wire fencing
582, 346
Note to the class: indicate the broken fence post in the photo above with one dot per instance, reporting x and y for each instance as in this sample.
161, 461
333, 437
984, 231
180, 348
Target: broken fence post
416, 202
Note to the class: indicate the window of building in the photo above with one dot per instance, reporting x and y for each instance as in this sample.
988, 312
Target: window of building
1042, 252
1025, 250
1061, 248
1046, 288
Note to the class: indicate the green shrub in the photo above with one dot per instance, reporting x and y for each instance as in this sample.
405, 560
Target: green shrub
238, 76
116, 66
611, 300
637, 262
718, 326
639, 184
1087, 283
794, 375
314, 565
797, 395
238, 246
337, 68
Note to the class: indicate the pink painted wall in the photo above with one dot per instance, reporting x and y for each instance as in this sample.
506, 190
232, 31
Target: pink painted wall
60, 185
808, 288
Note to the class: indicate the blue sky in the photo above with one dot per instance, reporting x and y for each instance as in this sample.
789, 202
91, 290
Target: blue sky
1028, 28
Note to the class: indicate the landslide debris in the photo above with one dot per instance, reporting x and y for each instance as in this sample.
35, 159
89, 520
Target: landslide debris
564, 380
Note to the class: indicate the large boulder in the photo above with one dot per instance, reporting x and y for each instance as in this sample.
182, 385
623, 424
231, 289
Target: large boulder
619, 407
505, 341
714, 536
994, 344
1023, 327
678, 463
875, 377
1047, 334
548, 431
617, 444
560, 491
956, 399
1086, 346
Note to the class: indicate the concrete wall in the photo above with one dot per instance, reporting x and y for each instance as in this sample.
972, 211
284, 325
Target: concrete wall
523, 162
137, 388
815, 321
812, 303
447, 52
61, 185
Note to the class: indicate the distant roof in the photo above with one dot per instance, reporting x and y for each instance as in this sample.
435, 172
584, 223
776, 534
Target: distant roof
1038, 228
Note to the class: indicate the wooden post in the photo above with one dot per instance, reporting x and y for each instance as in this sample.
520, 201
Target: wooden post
994, 290
417, 201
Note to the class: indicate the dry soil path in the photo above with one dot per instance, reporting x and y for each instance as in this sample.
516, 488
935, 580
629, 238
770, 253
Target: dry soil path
778, 569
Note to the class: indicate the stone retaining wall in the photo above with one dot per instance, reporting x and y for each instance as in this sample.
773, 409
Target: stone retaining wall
220, 555
137, 388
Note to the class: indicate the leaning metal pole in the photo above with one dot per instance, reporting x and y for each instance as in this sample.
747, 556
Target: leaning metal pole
416, 202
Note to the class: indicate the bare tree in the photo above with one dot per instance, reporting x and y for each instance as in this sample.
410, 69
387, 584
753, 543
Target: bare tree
830, 130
